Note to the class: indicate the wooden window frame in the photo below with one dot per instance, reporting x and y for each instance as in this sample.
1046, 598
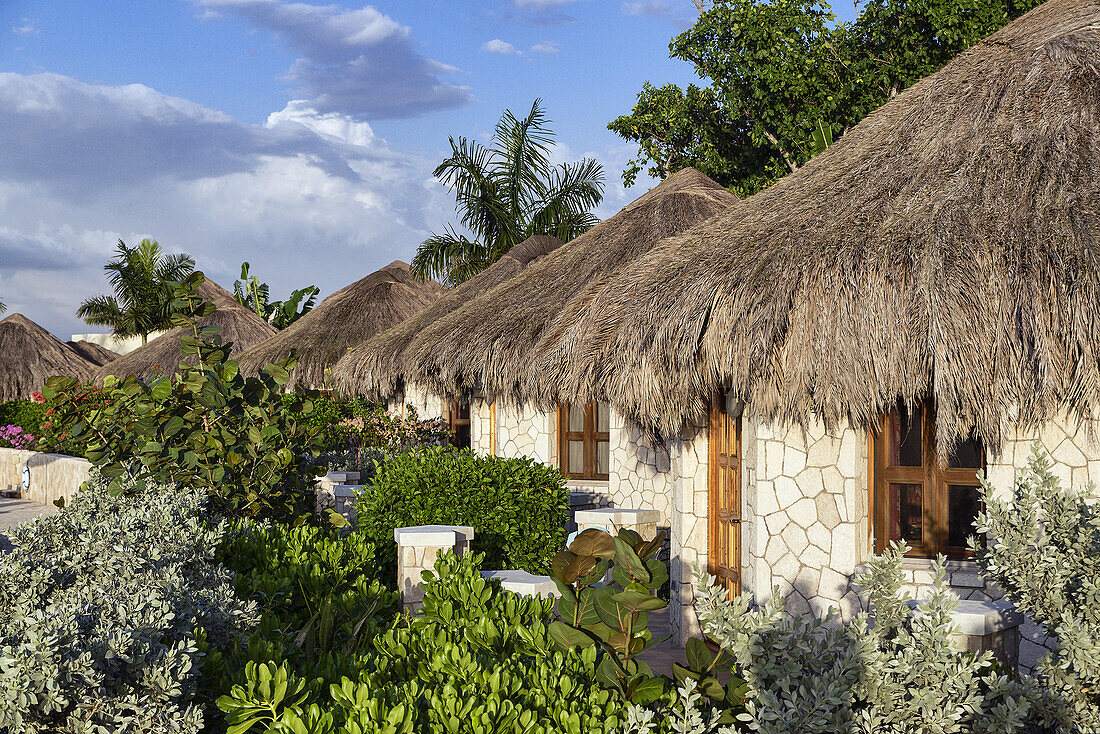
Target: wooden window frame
589, 437
456, 419
935, 481
720, 425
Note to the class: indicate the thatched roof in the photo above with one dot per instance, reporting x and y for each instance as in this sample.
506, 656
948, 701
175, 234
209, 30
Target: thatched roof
97, 354
29, 355
489, 343
946, 246
240, 326
375, 368
352, 314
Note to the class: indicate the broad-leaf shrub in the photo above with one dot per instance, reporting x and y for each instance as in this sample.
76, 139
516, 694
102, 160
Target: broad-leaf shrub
203, 426
480, 661
1043, 550
26, 414
899, 673
98, 610
517, 507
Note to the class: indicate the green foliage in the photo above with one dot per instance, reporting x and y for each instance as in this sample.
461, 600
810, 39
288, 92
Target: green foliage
612, 616
143, 279
1044, 552
203, 426
26, 414
479, 661
517, 507
506, 193
901, 674
254, 295
98, 607
784, 79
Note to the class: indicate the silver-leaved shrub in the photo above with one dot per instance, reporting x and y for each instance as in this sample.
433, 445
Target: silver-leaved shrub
1043, 550
98, 610
891, 671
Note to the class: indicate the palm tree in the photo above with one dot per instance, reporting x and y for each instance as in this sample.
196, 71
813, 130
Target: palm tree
143, 279
3, 307
506, 193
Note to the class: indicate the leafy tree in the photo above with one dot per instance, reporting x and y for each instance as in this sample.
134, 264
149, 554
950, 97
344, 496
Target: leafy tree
143, 279
506, 193
784, 79
250, 292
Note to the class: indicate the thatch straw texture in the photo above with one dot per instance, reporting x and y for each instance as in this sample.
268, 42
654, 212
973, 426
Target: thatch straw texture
97, 354
376, 367
345, 319
946, 246
490, 343
29, 355
239, 325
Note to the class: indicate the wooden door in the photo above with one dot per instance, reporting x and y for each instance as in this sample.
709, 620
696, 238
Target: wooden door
724, 490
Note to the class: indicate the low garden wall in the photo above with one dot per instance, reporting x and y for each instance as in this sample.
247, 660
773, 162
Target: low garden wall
48, 476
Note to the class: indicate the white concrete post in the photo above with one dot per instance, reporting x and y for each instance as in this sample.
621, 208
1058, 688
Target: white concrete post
417, 550
614, 519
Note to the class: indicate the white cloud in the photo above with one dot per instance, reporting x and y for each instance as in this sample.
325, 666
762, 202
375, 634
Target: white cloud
497, 46
27, 28
307, 197
545, 47
360, 63
645, 7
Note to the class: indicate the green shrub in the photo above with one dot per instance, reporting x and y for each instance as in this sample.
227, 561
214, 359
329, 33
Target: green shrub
899, 675
517, 507
1044, 552
480, 660
26, 414
98, 610
202, 426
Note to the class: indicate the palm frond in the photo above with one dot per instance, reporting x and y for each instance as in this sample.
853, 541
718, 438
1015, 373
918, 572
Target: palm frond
572, 191
523, 155
446, 255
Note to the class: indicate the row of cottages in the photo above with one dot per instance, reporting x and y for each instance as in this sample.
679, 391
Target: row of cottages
826, 366
497, 318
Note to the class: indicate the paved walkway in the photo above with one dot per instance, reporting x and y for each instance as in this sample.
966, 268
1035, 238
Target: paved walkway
14, 512
661, 657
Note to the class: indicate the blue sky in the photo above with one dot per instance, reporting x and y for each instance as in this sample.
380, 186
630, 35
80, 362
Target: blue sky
297, 136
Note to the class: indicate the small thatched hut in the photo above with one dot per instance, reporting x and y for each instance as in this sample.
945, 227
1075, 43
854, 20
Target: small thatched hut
239, 326
834, 359
345, 319
29, 355
488, 343
376, 368
97, 354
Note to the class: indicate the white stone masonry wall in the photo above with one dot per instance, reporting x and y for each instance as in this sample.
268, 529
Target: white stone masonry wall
806, 519
688, 525
526, 431
639, 473
481, 426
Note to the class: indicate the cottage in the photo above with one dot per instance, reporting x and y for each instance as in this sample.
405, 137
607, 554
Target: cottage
162, 355
835, 358
356, 312
375, 367
29, 355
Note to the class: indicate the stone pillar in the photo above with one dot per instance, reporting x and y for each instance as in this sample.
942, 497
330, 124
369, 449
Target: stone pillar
324, 487
417, 550
992, 626
614, 519
524, 583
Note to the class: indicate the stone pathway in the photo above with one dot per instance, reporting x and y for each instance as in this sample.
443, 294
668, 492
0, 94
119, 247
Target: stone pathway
661, 657
16, 511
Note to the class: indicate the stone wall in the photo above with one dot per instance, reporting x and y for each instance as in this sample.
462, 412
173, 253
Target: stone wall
527, 431
639, 473
481, 427
428, 405
805, 528
51, 476
688, 525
